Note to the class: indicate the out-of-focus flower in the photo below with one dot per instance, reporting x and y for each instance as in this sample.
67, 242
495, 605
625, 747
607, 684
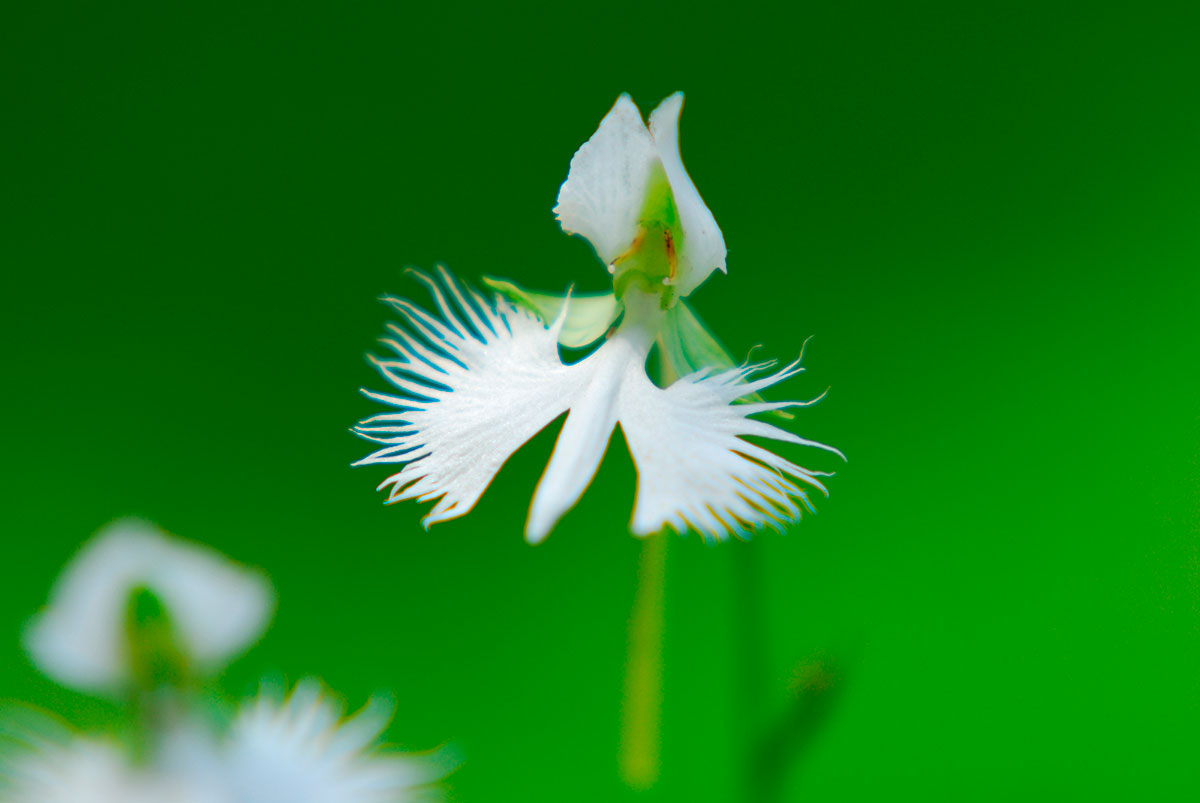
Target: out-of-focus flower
299, 749
211, 608
302, 750
93, 771
482, 377
132, 608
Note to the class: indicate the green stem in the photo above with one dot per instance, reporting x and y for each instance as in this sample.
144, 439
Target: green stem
641, 725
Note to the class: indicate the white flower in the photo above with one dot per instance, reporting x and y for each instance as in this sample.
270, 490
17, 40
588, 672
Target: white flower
484, 375
298, 750
215, 608
302, 750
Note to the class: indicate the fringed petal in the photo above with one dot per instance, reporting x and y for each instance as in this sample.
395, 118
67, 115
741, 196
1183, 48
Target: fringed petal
475, 383
304, 749
695, 469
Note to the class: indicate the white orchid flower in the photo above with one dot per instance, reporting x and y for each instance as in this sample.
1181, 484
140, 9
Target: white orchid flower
483, 375
213, 607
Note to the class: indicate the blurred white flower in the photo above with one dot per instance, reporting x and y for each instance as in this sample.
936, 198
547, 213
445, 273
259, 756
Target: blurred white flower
215, 607
302, 750
295, 750
485, 375
138, 612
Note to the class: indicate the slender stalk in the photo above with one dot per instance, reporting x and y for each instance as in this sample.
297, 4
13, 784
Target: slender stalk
641, 726
752, 647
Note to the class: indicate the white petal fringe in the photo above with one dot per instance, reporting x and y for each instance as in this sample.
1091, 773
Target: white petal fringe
484, 377
475, 384
695, 468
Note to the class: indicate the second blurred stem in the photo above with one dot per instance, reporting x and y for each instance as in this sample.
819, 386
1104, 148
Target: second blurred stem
753, 670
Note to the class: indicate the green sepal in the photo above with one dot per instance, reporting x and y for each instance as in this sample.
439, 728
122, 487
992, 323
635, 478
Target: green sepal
588, 317
155, 656
685, 345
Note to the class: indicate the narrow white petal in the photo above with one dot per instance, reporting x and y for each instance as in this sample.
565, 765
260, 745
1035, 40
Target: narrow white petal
694, 467
606, 185
476, 383
216, 607
585, 435
703, 248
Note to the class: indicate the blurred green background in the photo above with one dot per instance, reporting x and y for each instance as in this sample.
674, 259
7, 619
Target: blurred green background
987, 216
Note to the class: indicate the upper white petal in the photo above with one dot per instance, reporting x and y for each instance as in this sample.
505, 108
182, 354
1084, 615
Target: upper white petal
476, 383
606, 186
216, 607
694, 467
703, 249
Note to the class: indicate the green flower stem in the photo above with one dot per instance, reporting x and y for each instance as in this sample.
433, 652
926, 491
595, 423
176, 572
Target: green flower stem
641, 725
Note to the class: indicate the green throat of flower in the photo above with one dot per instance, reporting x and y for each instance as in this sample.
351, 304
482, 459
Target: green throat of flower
155, 656
651, 262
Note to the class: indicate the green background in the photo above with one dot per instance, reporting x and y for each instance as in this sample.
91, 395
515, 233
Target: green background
987, 216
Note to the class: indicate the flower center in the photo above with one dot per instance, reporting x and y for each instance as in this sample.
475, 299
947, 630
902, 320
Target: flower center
651, 262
